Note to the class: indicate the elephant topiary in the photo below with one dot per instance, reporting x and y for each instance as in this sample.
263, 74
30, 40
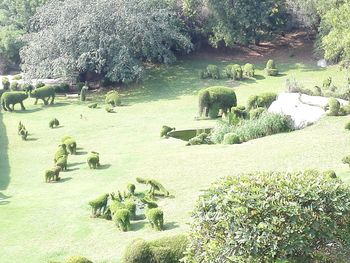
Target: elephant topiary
44, 94
54, 123
93, 160
113, 98
155, 217
61, 151
11, 98
70, 143
122, 219
99, 205
216, 98
52, 174
62, 162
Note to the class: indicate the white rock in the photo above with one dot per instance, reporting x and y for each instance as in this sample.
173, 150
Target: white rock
322, 63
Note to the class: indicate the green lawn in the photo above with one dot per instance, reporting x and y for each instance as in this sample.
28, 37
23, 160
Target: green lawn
41, 222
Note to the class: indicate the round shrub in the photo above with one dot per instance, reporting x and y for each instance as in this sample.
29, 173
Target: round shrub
262, 100
5, 83
271, 69
169, 249
330, 174
240, 112
138, 251
327, 83
248, 70
78, 259
269, 217
213, 72
334, 107
231, 138
347, 126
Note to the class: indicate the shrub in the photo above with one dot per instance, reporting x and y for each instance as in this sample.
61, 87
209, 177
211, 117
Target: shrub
202, 138
99, 205
131, 189
165, 130
61, 88
9, 98
122, 219
262, 100
330, 174
234, 71
346, 160
271, 68
214, 111
214, 98
334, 107
240, 112
44, 93
113, 98
212, 71
231, 138
14, 86
92, 105
270, 217
17, 77
54, 123
155, 217
27, 87
79, 86
83, 93
347, 126
256, 113
327, 83
138, 251
78, 259
5, 83
248, 70
93, 160
131, 207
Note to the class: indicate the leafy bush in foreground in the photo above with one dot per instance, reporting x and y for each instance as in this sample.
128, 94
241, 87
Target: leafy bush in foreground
272, 217
78, 259
246, 130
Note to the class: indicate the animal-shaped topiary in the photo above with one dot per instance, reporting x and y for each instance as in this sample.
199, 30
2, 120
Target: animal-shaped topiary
54, 123
148, 202
44, 94
52, 174
5, 83
271, 69
122, 219
130, 205
155, 217
83, 93
99, 205
220, 98
93, 160
154, 186
92, 105
346, 160
70, 143
249, 70
131, 189
62, 162
61, 151
11, 98
113, 98
165, 130
202, 138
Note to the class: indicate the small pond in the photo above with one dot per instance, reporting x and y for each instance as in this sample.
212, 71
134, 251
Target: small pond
186, 135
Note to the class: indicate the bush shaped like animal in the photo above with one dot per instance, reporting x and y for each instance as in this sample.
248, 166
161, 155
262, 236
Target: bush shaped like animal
223, 98
92, 106
10, 98
346, 160
334, 107
14, 86
131, 207
155, 217
202, 138
271, 69
256, 113
212, 71
20, 127
116, 205
5, 83
248, 70
45, 94
165, 130
327, 83
61, 151
62, 162
78, 259
93, 160
113, 98
131, 189
70, 143
240, 112
263, 100
54, 123
234, 71
154, 186
231, 138
99, 205
149, 203
52, 174
122, 219
330, 174
83, 93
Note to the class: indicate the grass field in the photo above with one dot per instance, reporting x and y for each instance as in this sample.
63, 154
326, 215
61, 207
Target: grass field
41, 222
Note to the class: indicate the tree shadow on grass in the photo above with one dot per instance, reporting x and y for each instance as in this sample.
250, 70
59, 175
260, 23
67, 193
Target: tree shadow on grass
27, 111
75, 164
62, 180
32, 139
81, 153
4, 161
104, 166
135, 226
170, 225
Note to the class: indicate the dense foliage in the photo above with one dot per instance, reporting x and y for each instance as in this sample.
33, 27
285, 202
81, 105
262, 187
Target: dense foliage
267, 217
111, 38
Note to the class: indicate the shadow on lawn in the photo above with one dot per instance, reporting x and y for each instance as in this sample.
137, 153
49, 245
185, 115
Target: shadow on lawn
4, 161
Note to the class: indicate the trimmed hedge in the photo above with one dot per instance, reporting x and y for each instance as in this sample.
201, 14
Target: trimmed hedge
272, 217
234, 71
271, 69
231, 138
263, 100
334, 107
78, 259
249, 70
212, 71
5, 83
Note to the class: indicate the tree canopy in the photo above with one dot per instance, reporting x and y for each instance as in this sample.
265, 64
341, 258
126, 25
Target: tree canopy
112, 38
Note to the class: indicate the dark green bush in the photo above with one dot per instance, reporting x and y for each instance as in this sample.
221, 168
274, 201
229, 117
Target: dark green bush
61, 88
271, 217
212, 71
122, 219
248, 70
79, 86
70, 143
44, 93
271, 69
83, 93
131, 189
138, 251
334, 107
256, 113
347, 126
240, 112
61, 151
62, 162
93, 160
54, 123
231, 138
202, 138
262, 100
327, 83
99, 205
10, 98
346, 160
215, 97
155, 217
113, 98
78, 259
14, 86
156, 188
5, 83
330, 174
27, 87
234, 71
131, 207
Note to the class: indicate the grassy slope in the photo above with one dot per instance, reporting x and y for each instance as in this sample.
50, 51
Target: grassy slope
51, 221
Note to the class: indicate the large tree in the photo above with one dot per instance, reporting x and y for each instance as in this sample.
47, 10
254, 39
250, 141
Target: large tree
109, 37
244, 21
